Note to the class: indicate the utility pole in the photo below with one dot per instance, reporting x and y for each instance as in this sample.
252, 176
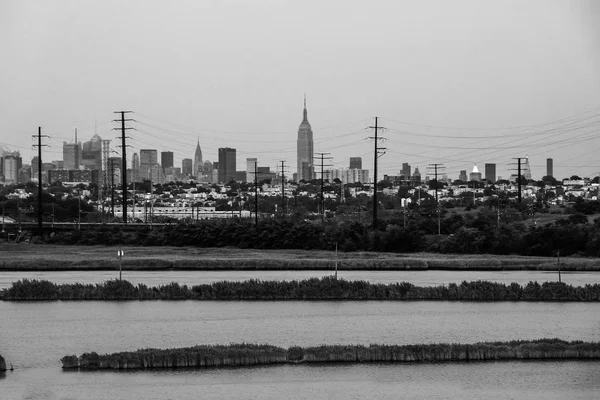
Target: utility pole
438, 210
322, 197
282, 187
378, 151
40, 203
112, 188
78, 210
123, 159
256, 173
105, 168
519, 176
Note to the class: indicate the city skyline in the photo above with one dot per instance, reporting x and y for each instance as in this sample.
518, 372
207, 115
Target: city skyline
457, 84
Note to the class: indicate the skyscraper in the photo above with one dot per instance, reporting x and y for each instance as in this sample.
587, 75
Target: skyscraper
71, 155
166, 159
226, 164
198, 160
490, 172
187, 166
251, 165
405, 171
475, 175
549, 167
355, 162
148, 159
525, 169
91, 153
305, 148
11, 163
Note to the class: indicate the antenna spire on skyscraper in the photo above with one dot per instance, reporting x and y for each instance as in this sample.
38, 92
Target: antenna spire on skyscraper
305, 119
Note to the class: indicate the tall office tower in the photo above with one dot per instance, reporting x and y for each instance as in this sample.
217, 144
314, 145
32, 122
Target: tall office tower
305, 149
148, 156
462, 176
549, 167
187, 166
11, 164
91, 153
251, 164
490, 172
34, 167
405, 171
525, 169
198, 160
355, 162
417, 176
2, 151
226, 164
166, 159
71, 155
135, 168
148, 159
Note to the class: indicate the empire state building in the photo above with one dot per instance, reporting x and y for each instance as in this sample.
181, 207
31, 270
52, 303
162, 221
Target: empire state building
305, 149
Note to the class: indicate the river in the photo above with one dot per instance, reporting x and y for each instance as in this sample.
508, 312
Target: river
35, 335
419, 278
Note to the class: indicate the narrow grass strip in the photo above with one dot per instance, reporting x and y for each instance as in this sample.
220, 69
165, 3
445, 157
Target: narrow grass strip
245, 354
325, 288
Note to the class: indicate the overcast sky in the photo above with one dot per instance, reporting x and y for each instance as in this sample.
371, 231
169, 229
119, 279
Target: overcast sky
454, 82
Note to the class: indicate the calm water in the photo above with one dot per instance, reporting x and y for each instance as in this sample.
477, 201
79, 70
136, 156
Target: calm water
420, 278
495, 380
35, 335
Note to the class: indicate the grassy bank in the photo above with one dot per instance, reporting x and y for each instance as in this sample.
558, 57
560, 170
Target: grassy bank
326, 288
16, 257
256, 354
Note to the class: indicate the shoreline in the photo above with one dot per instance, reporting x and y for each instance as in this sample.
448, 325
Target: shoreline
245, 354
35, 257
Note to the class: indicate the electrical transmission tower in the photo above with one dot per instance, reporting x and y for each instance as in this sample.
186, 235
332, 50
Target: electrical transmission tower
256, 173
282, 165
39, 145
123, 158
378, 152
323, 165
105, 172
438, 210
435, 168
519, 176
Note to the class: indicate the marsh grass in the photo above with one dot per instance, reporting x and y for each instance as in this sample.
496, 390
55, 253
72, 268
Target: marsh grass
245, 354
325, 288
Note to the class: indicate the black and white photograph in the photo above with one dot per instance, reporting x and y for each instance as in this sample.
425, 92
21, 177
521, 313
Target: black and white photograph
299, 199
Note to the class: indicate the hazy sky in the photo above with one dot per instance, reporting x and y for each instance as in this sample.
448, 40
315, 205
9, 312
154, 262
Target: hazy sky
454, 82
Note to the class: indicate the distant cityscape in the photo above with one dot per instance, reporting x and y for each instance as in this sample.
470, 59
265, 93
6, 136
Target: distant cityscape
94, 161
